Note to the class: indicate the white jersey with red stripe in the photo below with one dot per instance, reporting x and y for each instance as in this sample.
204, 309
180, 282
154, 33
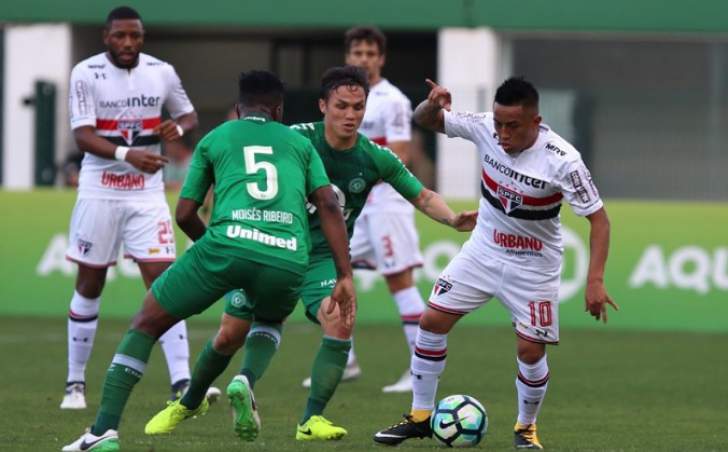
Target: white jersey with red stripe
124, 106
518, 218
387, 119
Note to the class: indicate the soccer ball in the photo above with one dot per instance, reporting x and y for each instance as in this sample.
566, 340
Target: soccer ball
459, 421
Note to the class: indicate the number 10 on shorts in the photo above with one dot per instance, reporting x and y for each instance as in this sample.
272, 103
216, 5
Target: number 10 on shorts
540, 312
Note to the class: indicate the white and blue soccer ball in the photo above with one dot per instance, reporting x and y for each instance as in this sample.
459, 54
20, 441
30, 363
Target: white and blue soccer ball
459, 421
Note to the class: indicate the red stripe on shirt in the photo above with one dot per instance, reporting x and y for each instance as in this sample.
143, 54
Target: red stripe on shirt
382, 141
528, 200
113, 124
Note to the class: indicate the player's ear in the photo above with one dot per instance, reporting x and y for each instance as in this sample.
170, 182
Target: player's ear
322, 106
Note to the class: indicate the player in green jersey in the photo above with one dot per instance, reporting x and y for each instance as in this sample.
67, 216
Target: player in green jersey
354, 165
257, 239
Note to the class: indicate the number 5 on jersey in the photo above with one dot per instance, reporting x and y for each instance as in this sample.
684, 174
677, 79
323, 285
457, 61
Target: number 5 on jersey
252, 167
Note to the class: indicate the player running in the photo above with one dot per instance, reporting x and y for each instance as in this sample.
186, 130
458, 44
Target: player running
385, 238
354, 165
115, 104
515, 252
257, 239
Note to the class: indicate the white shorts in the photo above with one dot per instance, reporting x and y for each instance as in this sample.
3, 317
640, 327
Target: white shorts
386, 241
531, 296
100, 226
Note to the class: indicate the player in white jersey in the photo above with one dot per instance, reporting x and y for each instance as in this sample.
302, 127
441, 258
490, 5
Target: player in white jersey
515, 251
115, 104
385, 237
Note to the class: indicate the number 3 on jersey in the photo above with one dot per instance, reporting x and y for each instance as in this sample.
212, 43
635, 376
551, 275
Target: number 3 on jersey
252, 167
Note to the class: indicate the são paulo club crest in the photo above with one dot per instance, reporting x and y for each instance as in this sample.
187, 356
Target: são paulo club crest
442, 286
510, 200
130, 128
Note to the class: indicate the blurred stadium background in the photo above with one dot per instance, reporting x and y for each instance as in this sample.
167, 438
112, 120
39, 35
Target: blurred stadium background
639, 86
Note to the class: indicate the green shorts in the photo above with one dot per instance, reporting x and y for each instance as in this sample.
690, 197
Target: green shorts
205, 273
318, 282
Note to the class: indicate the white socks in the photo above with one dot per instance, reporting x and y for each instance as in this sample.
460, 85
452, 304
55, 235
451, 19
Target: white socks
177, 352
352, 356
531, 385
82, 323
428, 363
410, 305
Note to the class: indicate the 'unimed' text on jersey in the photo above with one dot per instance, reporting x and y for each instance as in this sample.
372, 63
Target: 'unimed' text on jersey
124, 106
263, 173
387, 120
518, 219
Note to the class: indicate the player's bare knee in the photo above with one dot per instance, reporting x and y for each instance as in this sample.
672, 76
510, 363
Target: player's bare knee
437, 322
530, 352
400, 281
228, 341
90, 281
332, 323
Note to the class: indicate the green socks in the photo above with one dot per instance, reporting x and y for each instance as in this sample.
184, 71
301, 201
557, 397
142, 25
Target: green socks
210, 364
126, 369
328, 367
260, 346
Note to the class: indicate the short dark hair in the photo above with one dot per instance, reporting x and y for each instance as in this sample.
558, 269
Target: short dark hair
343, 76
517, 91
260, 88
368, 34
122, 13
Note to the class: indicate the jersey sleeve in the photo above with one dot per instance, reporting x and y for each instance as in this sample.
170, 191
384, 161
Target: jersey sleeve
398, 121
200, 175
315, 173
305, 128
81, 101
177, 102
578, 188
463, 124
393, 172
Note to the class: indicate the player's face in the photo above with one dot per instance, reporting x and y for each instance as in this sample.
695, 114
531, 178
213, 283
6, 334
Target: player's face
124, 39
344, 110
516, 126
366, 55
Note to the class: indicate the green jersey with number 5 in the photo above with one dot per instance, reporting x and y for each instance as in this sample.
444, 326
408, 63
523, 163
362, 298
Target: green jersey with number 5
353, 172
262, 173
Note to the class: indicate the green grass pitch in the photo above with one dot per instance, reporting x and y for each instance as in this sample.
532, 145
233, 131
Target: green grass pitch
609, 390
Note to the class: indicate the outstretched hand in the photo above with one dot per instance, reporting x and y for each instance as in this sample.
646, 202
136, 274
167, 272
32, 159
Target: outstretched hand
465, 221
596, 300
344, 296
439, 95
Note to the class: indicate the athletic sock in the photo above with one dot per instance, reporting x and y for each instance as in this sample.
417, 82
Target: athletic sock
531, 385
261, 344
126, 369
411, 306
83, 317
428, 363
210, 364
177, 352
351, 357
328, 368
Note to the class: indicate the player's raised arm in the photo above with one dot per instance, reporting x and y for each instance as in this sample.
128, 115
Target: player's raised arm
428, 113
